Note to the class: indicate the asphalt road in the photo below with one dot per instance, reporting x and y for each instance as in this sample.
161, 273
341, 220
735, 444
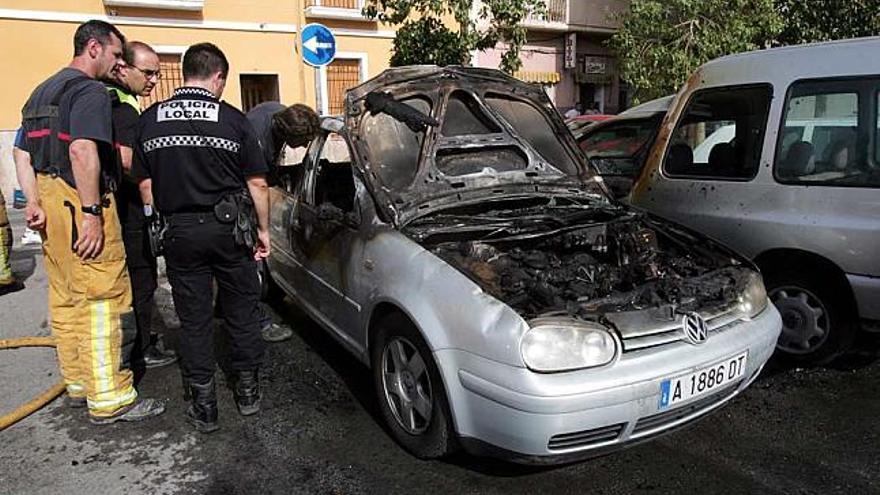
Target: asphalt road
795, 431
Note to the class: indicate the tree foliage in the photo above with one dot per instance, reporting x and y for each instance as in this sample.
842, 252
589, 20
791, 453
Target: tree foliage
423, 38
661, 42
823, 20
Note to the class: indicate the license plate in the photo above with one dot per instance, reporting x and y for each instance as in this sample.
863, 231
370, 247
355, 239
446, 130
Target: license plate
702, 381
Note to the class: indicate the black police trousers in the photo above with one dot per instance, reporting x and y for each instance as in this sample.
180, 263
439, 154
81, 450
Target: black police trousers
144, 281
198, 250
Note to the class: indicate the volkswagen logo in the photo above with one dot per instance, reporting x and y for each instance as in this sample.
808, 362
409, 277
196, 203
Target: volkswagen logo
695, 329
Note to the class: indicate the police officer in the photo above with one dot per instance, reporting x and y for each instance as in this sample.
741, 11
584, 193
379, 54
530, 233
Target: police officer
136, 76
200, 165
68, 137
277, 125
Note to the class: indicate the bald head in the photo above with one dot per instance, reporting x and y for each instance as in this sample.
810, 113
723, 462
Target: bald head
134, 49
139, 71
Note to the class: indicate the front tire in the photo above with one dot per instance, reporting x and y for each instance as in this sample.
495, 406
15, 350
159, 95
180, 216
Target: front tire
409, 390
818, 319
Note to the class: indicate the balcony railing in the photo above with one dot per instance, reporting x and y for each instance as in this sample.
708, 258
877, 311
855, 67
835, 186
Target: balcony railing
337, 4
344, 10
556, 13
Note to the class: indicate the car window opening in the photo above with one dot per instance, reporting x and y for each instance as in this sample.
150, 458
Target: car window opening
334, 183
720, 134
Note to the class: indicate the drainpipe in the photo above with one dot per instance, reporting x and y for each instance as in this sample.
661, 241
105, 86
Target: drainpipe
299, 6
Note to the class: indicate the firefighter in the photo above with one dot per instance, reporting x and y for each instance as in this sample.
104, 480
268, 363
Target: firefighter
69, 138
136, 76
200, 165
8, 283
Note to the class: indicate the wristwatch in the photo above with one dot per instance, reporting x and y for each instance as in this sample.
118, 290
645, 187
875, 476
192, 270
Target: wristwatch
95, 209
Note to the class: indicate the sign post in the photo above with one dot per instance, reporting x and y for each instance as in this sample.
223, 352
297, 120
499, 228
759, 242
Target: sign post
319, 45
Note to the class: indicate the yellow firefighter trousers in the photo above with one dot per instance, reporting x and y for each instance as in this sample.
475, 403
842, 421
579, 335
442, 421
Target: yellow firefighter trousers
5, 245
89, 302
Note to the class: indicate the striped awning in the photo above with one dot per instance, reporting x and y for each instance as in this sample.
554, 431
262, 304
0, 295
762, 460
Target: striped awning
538, 76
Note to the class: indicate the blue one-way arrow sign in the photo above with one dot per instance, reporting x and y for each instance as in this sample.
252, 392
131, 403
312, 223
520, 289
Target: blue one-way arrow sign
319, 45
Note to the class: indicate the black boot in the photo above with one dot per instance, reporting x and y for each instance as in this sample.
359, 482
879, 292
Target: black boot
202, 411
247, 392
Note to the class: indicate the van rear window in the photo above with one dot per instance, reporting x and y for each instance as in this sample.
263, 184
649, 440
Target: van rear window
825, 138
720, 134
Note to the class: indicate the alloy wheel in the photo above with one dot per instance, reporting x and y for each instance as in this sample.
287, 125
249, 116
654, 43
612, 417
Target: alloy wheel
407, 385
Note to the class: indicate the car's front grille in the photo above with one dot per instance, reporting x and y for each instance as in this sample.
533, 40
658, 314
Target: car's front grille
651, 331
667, 418
586, 438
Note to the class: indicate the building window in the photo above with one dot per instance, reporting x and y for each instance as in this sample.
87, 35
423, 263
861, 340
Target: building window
191, 5
172, 78
257, 88
342, 74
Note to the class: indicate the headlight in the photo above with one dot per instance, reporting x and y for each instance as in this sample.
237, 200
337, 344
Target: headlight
554, 344
753, 300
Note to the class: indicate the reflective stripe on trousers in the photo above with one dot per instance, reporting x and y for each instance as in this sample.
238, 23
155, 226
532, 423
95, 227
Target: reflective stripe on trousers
89, 302
5, 245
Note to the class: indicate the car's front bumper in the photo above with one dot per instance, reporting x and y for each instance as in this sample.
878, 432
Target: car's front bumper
513, 412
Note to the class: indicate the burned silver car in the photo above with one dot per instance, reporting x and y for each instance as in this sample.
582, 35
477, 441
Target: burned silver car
450, 234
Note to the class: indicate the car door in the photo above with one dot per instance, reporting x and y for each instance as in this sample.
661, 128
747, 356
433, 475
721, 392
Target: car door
286, 191
325, 237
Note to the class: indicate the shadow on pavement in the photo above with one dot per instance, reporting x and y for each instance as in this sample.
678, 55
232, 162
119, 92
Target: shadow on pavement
354, 374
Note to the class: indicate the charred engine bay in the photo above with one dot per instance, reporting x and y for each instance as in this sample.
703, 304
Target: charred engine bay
558, 256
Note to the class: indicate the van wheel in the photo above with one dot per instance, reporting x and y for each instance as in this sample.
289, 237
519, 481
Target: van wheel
818, 320
409, 390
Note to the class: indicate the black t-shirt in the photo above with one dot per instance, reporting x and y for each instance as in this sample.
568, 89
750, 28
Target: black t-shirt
261, 118
128, 198
83, 113
196, 149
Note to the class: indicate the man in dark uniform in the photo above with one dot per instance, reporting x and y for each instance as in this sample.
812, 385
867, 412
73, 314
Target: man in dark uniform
199, 163
68, 137
277, 125
137, 76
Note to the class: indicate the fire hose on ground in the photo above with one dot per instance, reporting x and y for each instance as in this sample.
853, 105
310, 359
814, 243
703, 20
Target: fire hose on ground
44, 398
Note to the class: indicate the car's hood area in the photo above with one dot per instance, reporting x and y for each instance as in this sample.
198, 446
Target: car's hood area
557, 256
430, 136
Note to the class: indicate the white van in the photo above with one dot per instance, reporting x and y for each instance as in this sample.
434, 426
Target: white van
777, 154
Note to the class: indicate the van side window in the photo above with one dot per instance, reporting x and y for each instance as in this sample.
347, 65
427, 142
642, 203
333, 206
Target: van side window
822, 140
720, 134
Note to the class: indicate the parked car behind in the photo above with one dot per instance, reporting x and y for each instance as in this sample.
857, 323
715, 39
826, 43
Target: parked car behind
449, 233
790, 180
617, 147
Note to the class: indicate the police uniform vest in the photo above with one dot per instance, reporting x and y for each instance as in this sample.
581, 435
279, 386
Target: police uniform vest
117, 95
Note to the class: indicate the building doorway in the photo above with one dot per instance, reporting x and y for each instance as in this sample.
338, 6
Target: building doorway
258, 88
